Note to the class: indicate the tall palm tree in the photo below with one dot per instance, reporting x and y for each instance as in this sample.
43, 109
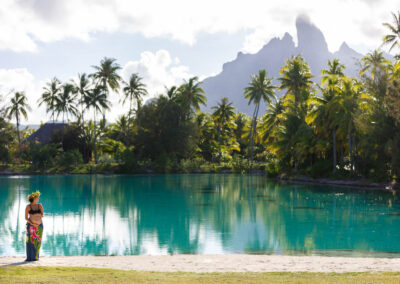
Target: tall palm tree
191, 95
335, 69
296, 77
223, 115
66, 104
97, 99
134, 90
106, 74
49, 96
259, 89
82, 88
394, 37
17, 108
323, 113
374, 62
347, 104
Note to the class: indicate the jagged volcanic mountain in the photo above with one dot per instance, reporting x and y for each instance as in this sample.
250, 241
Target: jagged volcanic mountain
312, 45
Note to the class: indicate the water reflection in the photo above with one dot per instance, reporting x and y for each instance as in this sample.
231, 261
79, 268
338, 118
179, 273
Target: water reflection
169, 214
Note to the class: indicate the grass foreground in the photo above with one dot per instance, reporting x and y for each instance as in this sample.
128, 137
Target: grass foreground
96, 275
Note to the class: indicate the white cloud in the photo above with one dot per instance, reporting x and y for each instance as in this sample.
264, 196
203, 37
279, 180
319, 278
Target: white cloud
23, 23
158, 70
21, 80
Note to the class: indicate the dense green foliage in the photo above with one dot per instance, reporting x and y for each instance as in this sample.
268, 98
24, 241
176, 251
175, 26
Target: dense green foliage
340, 127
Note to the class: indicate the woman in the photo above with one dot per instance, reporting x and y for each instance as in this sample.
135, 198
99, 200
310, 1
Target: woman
34, 226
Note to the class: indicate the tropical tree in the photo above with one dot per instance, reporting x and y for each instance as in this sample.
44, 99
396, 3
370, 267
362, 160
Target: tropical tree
190, 95
82, 88
296, 77
323, 111
18, 107
259, 89
49, 96
348, 104
171, 92
335, 70
374, 62
393, 39
223, 115
66, 104
272, 119
134, 90
106, 74
98, 101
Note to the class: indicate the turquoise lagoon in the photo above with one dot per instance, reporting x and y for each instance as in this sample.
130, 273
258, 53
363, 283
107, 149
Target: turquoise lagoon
198, 214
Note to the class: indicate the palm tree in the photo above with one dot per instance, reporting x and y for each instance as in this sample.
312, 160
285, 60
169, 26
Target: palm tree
82, 88
107, 76
97, 99
322, 113
335, 69
18, 106
375, 62
66, 104
259, 89
394, 38
272, 118
191, 95
50, 94
223, 115
296, 77
134, 90
350, 99
171, 92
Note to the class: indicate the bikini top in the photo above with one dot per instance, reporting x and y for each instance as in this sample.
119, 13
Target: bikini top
38, 211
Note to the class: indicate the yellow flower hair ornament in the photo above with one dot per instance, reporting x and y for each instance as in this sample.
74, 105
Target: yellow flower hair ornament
34, 194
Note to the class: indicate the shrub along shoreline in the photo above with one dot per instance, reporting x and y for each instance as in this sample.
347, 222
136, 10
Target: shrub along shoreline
210, 168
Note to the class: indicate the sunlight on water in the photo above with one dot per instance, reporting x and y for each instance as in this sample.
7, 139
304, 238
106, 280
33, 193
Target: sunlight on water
200, 214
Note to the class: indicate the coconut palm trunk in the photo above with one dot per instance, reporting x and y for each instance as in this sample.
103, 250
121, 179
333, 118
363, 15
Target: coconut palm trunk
18, 134
253, 134
95, 138
334, 149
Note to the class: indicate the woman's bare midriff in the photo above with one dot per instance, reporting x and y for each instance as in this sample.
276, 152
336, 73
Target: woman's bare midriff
36, 219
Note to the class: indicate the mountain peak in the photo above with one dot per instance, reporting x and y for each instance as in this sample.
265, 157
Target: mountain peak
344, 47
309, 37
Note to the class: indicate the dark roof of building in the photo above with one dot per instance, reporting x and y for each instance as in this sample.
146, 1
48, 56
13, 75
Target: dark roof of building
44, 133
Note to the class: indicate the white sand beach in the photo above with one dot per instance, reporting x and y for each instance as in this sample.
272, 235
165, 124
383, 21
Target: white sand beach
217, 263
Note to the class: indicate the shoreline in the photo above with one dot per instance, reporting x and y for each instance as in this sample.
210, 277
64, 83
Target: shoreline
215, 263
360, 184
386, 187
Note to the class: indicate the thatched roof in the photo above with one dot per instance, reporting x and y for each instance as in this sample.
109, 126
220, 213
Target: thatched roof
44, 133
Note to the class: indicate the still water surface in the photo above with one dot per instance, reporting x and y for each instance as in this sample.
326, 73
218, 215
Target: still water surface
198, 214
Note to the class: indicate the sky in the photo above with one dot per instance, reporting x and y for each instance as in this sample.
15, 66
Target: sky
165, 41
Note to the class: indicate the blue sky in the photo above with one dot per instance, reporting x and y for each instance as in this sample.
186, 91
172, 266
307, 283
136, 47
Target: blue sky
165, 41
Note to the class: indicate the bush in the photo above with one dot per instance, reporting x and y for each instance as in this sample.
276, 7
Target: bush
42, 157
192, 165
321, 168
69, 159
129, 162
239, 165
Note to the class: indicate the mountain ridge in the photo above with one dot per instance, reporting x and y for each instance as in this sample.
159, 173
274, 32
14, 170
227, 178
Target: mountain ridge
311, 44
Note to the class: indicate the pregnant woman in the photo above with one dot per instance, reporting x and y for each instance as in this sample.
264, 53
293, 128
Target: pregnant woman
34, 226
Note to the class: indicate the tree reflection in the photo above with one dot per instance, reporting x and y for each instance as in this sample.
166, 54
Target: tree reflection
205, 213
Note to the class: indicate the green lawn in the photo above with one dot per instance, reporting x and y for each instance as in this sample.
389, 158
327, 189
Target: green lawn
94, 275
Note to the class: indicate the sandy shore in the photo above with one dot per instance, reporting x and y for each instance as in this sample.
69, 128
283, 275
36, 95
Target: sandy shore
217, 263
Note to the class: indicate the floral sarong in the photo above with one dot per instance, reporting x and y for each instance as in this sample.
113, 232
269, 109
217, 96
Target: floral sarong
33, 241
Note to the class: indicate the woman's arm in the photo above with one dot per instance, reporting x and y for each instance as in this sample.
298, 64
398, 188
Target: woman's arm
41, 209
26, 215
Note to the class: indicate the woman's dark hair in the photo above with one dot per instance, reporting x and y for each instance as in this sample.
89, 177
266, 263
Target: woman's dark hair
31, 198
